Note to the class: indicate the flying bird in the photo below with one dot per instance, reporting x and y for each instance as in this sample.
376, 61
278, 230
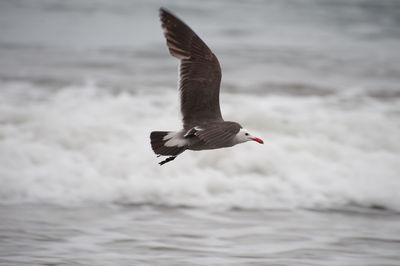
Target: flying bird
200, 78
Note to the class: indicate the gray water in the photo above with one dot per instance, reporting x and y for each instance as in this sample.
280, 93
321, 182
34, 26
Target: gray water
82, 84
144, 235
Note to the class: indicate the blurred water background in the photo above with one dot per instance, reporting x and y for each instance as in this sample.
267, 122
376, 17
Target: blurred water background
82, 84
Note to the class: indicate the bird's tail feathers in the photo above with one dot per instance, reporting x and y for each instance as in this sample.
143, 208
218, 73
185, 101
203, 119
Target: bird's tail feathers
167, 143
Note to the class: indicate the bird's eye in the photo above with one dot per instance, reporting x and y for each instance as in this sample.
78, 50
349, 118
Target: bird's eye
246, 134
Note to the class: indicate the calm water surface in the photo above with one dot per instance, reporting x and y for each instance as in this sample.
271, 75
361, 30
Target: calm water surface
146, 235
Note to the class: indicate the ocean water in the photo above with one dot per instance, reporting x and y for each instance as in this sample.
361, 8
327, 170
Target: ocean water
83, 83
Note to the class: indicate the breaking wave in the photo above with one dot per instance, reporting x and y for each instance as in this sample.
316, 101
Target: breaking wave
89, 145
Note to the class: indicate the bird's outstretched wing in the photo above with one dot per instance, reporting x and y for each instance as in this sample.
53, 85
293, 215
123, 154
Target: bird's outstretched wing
200, 73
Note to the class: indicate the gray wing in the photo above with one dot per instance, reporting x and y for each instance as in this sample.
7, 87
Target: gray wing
200, 73
219, 134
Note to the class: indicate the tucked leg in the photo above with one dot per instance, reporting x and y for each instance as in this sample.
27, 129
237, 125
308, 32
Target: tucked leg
167, 160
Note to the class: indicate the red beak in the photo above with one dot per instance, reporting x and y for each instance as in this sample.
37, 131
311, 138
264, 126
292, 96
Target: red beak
258, 140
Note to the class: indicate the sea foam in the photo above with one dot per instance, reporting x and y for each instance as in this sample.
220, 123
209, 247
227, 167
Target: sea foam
87, 145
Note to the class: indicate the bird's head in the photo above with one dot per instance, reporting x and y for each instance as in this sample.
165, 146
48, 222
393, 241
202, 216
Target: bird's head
243, 135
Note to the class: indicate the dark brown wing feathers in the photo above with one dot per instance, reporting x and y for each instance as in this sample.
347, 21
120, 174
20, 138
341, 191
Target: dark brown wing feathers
200, 72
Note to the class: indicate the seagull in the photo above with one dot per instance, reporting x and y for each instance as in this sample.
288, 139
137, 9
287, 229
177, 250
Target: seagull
200, 78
